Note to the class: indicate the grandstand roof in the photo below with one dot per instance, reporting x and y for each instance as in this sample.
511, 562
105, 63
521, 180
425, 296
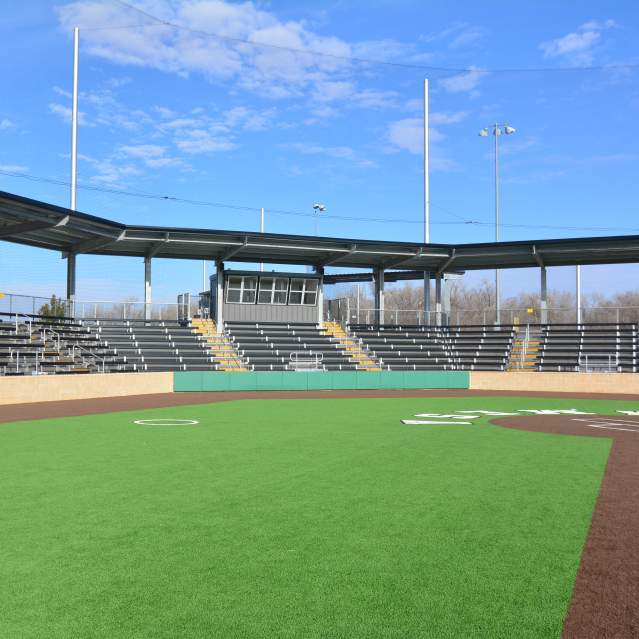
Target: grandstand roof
35, 223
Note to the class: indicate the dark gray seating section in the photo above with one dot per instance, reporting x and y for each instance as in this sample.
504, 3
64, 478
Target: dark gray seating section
156, 345
32, 344
437, 348
39, 345
268, 346
588, 347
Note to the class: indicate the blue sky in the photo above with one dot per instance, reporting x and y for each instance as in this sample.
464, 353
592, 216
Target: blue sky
176, 112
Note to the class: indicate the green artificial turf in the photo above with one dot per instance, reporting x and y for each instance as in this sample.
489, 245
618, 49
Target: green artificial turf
297, 518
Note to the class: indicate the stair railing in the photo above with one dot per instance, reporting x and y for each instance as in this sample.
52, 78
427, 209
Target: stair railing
93, 358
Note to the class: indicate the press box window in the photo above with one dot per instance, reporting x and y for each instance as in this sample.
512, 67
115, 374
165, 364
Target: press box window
241, 290
303, 292
273, 290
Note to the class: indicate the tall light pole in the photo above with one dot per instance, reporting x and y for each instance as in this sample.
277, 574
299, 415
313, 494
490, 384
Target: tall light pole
74, 167
74, 120
497, 130
262, 231
426, 202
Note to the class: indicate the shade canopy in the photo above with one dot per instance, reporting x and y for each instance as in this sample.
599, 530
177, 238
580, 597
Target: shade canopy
43, 225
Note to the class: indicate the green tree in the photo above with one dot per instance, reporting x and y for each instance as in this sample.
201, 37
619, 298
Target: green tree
55, 307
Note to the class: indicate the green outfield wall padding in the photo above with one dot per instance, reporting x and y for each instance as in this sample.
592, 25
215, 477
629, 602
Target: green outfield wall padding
329, 380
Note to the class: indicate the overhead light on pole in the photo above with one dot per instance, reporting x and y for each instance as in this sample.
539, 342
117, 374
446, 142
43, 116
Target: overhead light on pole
497, 130
318, 207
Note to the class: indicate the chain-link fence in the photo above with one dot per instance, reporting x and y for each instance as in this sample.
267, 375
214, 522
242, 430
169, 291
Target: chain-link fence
341, 310
82, 309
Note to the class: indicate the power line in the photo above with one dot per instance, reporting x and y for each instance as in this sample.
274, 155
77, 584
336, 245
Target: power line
351, 218
311, 52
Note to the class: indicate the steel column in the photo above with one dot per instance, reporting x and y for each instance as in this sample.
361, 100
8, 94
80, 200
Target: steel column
71, 282
544, 297
219, 316
438, 299
578, 292
147, 288
379, 295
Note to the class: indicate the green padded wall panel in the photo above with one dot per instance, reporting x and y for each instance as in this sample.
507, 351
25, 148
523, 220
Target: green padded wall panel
331, 380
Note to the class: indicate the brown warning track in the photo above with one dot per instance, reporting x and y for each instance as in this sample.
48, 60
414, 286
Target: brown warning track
605, 599
76, 407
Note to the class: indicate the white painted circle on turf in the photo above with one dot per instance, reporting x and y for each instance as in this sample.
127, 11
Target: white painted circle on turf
166, 422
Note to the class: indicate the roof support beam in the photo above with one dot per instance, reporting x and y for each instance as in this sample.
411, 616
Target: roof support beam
538, 257
156, 247
337, 256
233, 251
448, 262
25, 227
95, 243
401, 260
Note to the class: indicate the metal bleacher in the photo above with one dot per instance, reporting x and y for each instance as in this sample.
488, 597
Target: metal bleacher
588, 348
437, 347
35, 345
155, 345
297, 346
32, 344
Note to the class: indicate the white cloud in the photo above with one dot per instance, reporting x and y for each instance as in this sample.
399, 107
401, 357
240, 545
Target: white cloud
457, 36
338, 152
164, 112
372, 99
578, 46
143, 151
332, 151
5, 123
153, 156
162, 163
14, 168
195, 141
463, 82
408, 135
273, 71
110, 170
466, 37
447, 117
62, 92
65, 113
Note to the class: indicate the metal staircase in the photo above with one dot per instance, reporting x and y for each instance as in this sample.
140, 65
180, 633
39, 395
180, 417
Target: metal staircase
221, 347
524, 353
352, 346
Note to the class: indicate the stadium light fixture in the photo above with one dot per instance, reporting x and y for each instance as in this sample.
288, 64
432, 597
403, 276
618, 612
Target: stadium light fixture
318, 207
497, 130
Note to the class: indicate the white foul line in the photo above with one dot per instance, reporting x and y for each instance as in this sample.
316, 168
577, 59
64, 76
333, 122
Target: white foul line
629, 430
414, 422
